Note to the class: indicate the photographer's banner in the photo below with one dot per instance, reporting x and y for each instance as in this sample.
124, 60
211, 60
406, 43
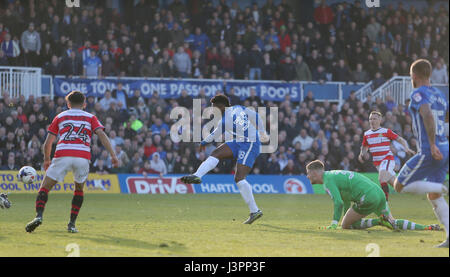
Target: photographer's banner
172, 88
213, 183
95, 183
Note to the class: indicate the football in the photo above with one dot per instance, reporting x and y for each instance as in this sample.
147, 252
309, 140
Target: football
27, 175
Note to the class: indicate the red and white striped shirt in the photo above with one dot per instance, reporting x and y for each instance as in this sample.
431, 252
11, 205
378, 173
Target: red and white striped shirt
75, 128
379, 142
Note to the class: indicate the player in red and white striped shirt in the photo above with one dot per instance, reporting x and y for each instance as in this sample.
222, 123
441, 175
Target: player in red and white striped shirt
377, 141
73, 153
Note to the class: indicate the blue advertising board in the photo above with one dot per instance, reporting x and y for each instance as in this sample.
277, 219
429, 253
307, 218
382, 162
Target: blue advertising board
172, 88
213, 183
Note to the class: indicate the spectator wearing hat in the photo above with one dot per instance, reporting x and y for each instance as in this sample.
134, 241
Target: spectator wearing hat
157, 164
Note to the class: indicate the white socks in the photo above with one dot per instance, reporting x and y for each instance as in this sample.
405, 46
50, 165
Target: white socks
243, 185
440, 208
246, 192
208, 165
423, 187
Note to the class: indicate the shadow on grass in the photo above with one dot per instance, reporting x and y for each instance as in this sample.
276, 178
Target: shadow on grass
342, 234
171, 246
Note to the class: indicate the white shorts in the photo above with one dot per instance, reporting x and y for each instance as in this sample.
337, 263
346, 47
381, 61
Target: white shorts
59, 168
387, 165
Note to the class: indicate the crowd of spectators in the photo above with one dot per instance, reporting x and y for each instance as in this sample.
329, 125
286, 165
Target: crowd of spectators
265, 41
140, 133
344, 43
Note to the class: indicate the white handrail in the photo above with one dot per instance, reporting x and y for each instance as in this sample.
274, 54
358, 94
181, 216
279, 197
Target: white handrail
398, 88
17, 81
362, 93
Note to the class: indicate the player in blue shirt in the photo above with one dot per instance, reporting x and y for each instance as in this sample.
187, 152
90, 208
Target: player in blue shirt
243, 129
426, 171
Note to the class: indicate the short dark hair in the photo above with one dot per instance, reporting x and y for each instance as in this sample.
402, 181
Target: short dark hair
75, 98
221, 99
315, 165
422, 68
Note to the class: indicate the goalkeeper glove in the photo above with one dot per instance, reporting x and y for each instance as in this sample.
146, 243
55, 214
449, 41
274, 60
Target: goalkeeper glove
332, 227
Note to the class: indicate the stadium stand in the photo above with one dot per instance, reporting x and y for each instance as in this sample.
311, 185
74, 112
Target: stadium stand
264, 41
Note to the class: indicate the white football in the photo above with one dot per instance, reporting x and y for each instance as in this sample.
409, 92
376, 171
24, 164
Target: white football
27, 175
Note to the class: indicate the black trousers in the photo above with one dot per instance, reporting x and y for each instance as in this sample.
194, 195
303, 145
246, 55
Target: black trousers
31, 59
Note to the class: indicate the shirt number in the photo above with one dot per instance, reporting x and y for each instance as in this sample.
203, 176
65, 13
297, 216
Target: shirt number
81, 134
440, 124
242, 120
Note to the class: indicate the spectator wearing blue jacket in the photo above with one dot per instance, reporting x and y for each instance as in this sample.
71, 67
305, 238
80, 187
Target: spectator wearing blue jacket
7, 46
120, 95
201, 41
158, 126
92, 66
272, 37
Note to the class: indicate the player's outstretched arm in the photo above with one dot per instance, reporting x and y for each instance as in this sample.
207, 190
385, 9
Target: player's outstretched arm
405, 145
430, 127
338, 204
105, 141
208, 139
218, 131
48, 149
258, 123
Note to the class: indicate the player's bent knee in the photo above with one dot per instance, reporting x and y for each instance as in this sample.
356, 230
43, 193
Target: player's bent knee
79, 187
384, 176
48, 183
215, 154
220, 155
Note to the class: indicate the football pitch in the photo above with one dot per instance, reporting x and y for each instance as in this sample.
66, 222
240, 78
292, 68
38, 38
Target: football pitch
208, 225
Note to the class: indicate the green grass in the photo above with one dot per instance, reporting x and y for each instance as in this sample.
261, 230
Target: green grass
208, 225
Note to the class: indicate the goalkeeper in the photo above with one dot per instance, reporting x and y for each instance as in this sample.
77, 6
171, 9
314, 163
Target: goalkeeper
345, 187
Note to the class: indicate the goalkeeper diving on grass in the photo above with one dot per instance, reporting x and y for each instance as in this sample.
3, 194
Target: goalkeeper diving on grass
345, 187
243, 129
